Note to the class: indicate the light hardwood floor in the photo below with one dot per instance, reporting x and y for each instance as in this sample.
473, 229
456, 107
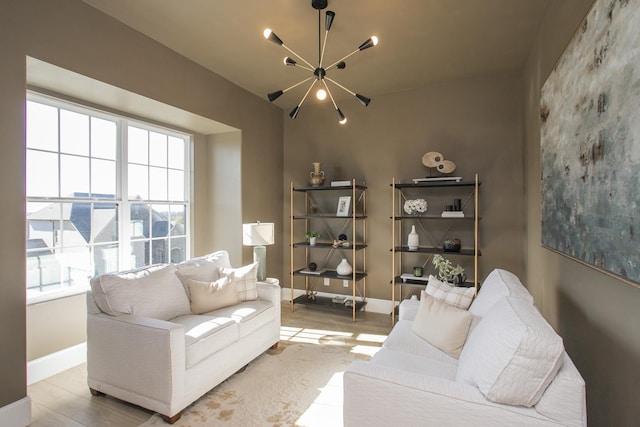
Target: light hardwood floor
64, 399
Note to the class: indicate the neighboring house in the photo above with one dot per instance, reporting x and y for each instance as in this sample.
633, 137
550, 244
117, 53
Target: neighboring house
85, 244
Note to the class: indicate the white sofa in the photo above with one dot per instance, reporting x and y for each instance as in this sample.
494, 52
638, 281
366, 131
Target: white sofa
512, 370
147, 347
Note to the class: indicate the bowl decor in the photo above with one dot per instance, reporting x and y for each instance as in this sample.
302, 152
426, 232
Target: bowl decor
452, 245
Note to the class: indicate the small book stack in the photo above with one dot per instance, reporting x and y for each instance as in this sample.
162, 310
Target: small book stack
452, 214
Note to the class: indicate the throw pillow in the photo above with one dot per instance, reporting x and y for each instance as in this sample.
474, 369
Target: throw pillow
204, 268
441, 325
246, 280
456, 296
209, 296
153, 291
498, 284
512, 355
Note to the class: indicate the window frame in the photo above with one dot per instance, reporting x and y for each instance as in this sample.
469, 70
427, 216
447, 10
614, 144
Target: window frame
121, 198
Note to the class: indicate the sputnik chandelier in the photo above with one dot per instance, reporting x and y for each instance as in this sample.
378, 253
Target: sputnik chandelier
319, 73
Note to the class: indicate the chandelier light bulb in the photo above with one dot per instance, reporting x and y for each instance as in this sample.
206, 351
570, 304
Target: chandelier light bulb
374, 39
266, 33
321, 94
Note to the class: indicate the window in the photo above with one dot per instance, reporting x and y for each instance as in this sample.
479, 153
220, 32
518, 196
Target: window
104, 193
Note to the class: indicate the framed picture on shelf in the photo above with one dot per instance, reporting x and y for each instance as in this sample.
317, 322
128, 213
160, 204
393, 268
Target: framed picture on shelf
343, 206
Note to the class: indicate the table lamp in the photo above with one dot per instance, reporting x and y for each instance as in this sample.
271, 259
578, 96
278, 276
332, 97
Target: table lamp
259, 235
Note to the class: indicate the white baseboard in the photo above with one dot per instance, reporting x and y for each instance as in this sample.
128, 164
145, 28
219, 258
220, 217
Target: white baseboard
17, 414
374, 305
54, 363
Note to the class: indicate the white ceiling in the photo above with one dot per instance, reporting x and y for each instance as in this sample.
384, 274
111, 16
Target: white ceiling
421, 41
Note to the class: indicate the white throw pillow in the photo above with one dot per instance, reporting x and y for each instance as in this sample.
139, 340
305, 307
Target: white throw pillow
209, 296
204, 268
153, 291
512, 355
456, 296
246, 280
498, 284
441, 325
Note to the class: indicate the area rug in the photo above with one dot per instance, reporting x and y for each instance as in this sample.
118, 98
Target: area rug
297, 384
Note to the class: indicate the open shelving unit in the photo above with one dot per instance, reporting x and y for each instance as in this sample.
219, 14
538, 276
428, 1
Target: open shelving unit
315, 214
432, 228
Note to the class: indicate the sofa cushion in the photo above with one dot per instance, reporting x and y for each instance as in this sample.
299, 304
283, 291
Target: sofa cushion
249, 315
153, 291
441, 324
512, 355
205, 335
403, 339
414, 364
456, 296
204, 268
245, 278
209, 296
499, 283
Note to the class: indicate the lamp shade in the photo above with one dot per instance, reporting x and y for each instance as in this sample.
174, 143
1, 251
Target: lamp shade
258, 234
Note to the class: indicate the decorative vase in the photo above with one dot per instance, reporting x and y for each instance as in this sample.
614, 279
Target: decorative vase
344, 268
413, 239
316, 177
312, 241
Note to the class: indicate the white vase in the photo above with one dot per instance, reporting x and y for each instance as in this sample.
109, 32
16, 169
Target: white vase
344, 268
312, 241
413, 239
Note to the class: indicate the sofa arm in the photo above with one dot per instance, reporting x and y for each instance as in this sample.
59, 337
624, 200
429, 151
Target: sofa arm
142, 356
381, 395
408, 309
270, 291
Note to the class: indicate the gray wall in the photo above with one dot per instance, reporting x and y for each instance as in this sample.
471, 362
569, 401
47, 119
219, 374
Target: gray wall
74, 36
476, 123
597, 315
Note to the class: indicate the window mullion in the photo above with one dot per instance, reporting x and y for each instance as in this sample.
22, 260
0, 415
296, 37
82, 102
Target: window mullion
123, 189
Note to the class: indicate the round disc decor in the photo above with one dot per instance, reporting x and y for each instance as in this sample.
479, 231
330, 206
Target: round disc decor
433, 159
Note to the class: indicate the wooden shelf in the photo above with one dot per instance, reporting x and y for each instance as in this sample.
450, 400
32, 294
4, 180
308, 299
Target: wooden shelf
358, 246
423, 250
327, 303
409, 282
328, 217
330, 188
331, 274
436, 184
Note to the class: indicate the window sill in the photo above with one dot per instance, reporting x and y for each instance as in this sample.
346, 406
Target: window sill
37, 298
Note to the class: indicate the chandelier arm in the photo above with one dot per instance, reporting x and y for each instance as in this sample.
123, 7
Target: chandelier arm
305, 68
298, 84
340, 60
306, 94
361, 98
329, 92
340, 86
298, 56
324, 45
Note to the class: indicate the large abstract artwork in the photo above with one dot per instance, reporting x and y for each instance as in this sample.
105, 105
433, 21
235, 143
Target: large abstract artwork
590, 143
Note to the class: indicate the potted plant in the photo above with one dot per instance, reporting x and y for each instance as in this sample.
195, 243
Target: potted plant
311, 236
447, 272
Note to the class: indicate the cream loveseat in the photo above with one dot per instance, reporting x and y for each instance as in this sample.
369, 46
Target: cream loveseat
509, 369
146, 344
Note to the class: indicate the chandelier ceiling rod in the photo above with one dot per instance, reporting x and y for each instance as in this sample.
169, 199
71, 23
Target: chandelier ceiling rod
319, 73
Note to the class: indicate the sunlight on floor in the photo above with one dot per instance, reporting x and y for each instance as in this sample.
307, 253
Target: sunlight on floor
326, 409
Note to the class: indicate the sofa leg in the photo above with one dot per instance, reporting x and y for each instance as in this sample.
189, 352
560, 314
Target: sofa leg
171, 420
95, 392
275, 346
